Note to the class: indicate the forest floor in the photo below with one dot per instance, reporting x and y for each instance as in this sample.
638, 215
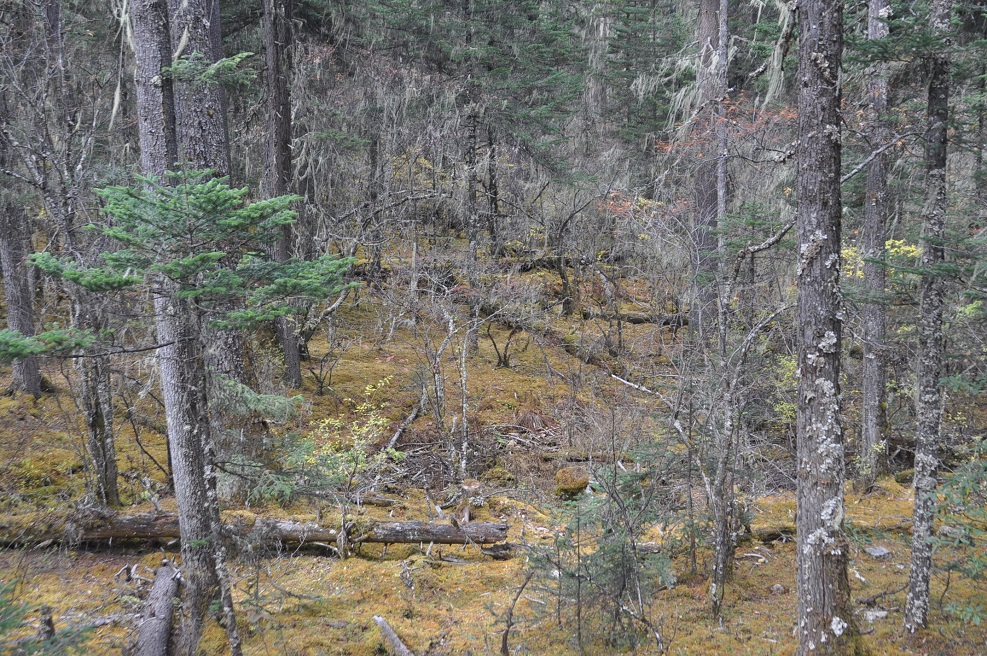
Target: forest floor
556, 405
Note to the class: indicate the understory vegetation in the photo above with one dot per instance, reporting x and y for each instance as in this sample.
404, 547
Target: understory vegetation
491, 327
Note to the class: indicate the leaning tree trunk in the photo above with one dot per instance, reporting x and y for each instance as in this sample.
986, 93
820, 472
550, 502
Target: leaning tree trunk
928, 402
825, 613
154, 631
872, 419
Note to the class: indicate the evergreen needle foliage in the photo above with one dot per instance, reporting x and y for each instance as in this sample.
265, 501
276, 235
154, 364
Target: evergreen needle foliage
209, 241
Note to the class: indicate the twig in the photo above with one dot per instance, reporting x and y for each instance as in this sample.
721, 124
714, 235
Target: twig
870, 601
504, 648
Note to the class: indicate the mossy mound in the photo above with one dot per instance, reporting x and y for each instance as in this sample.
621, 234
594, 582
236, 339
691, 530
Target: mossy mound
571, 481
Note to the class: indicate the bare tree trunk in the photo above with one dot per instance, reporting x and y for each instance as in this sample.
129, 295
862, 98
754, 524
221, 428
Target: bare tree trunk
710, 80
97, 403
203, 143
181, 355
14, 236
155, 97
183, 378
875, 211
825, 614
17, 291
723, 501
471, 209
60, 181
928, 402
494, 217
277, 156
200, 108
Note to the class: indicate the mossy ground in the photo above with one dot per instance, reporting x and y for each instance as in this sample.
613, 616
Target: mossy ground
530, 419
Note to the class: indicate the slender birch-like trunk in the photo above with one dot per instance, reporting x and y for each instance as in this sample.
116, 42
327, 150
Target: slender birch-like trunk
928, 402
873, 419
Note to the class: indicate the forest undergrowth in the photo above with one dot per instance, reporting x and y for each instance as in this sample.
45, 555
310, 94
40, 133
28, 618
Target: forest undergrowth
621, 566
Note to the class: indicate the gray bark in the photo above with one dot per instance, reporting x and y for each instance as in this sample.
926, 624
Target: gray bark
181, 356
155, 99
289, 531
203, 143
873, 419
471, 208
97, 404
154, 631
726, 447
395, 646
825, 614
711, 83
928, 402
61, 176
17, 291
277, 161
183, 381
14, 237
200, 108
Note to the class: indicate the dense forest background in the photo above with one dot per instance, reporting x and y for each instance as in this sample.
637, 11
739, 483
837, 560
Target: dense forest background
624, 297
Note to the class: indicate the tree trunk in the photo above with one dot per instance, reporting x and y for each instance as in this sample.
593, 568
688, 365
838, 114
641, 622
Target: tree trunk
928, 402
725, 437
14, 240
200, 108
711, 83
17, 290
155, 98
181, 355
875, 211
471, 208
60, 193
825, 614
277, 157
183, 382
203, 143
97, 405
395, 646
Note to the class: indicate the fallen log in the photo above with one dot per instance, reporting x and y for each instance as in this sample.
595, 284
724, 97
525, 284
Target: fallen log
107, 527
395, 646
675, 321
155, 628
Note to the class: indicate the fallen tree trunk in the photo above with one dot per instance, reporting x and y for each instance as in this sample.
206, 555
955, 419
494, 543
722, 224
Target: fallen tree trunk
164, 526
395, 646
155, 628
677, 320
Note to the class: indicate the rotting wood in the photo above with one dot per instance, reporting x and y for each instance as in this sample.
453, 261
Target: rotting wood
395, 646
676, 320
164, 526
154, 631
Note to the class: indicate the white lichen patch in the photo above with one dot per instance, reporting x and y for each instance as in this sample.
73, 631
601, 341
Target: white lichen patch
832, 513
828, 343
